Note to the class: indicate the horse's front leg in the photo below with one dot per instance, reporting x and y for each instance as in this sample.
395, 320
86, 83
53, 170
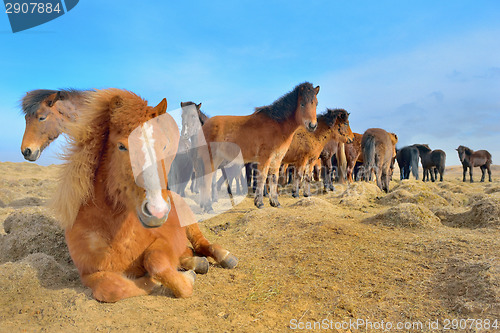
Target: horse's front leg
465, 173
113, 286
470, 173
261, 177
161, 264
273, 183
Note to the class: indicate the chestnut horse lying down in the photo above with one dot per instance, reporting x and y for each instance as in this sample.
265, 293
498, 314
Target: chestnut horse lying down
124, 238
379, 150
306, 147
471, 159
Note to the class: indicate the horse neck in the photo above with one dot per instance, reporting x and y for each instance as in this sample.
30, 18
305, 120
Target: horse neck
72, 105
324, 133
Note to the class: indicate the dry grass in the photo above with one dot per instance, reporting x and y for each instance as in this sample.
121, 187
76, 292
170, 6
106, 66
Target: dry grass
422, 252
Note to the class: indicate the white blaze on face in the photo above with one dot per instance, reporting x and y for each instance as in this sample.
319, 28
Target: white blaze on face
152, 183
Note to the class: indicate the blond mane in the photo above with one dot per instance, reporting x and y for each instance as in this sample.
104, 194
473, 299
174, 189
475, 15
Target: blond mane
87, 140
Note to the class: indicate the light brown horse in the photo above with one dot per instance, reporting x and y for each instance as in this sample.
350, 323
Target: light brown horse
353, 154
46, 113
379, 151
124, 239
306, 147
471, 159
49, 113
263, 137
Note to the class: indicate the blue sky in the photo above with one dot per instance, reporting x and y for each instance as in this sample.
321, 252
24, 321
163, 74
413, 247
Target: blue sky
428, 71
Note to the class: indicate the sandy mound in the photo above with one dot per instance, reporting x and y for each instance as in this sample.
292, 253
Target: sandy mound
28, 233
406, 215
311, 202
431, 195
485, 213
358, 194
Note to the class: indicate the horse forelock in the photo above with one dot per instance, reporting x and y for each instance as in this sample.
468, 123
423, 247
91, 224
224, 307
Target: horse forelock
31, 102
331, 115
285, 106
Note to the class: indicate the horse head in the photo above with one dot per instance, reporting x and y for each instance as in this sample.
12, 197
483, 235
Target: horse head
191, 124
307, 101
44, 122
142, 144
341, 126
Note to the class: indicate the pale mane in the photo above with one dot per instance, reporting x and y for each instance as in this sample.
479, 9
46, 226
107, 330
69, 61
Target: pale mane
87, 139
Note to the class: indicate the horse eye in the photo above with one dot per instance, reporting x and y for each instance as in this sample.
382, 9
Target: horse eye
121, 147
42, 118
302, 105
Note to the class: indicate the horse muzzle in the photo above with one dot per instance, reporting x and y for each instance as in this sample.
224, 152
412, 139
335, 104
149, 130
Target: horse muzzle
311, 127
147, 219
31, 155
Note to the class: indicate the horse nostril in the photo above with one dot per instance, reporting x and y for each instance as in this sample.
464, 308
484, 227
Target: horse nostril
27, 152
312, 127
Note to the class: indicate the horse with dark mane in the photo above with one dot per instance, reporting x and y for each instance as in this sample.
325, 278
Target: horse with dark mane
262, 137
431, 159
306, 147
471, 159
46, 113
379, 150
407, 158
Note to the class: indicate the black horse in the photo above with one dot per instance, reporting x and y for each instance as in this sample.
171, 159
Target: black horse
407, 158
431, 159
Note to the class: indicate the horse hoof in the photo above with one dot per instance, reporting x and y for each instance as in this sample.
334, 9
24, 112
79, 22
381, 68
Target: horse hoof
229, 261
295, 195
275, 204
201, 265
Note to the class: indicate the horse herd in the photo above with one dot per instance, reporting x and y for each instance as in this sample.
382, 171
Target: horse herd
120, 197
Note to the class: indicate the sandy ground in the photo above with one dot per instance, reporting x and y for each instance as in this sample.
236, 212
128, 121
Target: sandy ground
423, 252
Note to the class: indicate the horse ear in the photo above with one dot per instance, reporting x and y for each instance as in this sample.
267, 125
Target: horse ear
316, 90
198, 107
52, 100
161, 107
115, 102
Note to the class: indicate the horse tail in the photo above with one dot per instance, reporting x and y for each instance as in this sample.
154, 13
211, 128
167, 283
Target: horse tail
369, 156
342, 162
490, 161
414, 164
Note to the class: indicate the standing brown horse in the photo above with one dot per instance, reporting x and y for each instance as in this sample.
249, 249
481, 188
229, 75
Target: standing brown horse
431, 159
46, 113
353, 154
306, 147
379, 151
50, 112
263, 137
471, 159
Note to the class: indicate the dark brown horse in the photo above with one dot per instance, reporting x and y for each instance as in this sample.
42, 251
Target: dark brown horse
471, 159
353, 154
431, 159
306, 147
47, 112
262, 137
379, 150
